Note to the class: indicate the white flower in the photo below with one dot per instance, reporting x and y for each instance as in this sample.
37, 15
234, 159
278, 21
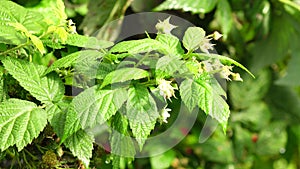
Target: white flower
165, 114
166, 89
205, 45
165, 26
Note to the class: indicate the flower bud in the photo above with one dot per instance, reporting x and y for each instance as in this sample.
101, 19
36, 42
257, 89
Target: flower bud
236, 77
165, 26
165, 114
166, 89
216, 35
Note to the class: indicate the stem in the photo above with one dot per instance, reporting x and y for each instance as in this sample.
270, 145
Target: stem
40, 148
140, 61
14, 48
25, 160
31, 155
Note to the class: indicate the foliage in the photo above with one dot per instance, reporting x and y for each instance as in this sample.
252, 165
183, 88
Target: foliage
57, 86
120, 97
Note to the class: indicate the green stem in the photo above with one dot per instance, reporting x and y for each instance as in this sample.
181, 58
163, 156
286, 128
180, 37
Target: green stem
140, 61
14, 48
25, 159
31, 155
40, 148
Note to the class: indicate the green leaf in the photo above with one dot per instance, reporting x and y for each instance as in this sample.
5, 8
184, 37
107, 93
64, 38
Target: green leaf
121, 142
171, 44
57, 116
190, 92
141, 112
38, 44
21, 121
81, 146
93, 107
61, 34
104, 69
223, 15
87, 42
12, 13
136, 46
46, 89
124, 74
202, 93
72, 59
213, 104
170, 66
193, 37
3, 90
60, 10
53, 12
194, 6
225, 60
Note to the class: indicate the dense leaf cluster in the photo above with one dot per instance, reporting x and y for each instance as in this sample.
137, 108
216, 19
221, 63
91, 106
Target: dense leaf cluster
126, 86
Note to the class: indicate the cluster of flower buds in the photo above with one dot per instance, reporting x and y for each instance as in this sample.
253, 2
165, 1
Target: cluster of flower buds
166, 89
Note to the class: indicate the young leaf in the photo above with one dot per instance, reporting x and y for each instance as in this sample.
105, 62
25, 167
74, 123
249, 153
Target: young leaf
21, 121
193, 37
59, 10
38, 44
87, 42
72, 59
171, 44
124, 74
141, 112
92, 107
81, 146
136, 46
194, 6
46, 89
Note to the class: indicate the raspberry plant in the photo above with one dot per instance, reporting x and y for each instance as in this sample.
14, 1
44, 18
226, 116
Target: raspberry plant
127, 85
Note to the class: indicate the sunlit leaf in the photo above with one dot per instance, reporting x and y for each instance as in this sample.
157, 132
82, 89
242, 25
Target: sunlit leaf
21, 121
